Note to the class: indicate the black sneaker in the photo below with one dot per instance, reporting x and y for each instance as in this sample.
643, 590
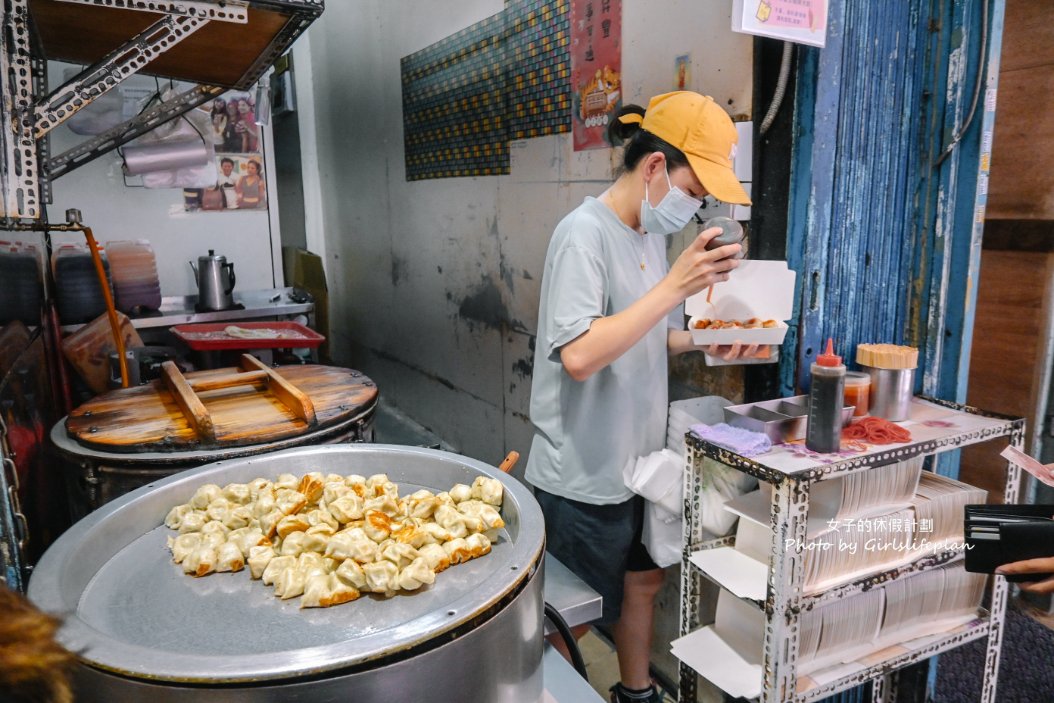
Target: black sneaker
620, 695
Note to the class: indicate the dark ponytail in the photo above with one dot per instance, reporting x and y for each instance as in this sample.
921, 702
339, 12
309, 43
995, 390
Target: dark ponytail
640, 142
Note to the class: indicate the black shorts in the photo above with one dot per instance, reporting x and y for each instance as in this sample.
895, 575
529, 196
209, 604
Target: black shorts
599, 543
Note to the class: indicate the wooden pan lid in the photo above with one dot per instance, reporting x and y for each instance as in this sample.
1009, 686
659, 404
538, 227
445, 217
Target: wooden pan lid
230, 407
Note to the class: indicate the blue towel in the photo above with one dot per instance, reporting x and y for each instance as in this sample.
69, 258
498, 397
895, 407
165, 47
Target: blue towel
735, 439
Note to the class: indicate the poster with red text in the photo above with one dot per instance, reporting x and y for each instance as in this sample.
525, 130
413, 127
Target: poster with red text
596, 69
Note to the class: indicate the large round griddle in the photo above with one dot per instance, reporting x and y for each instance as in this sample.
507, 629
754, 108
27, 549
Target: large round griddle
130, 610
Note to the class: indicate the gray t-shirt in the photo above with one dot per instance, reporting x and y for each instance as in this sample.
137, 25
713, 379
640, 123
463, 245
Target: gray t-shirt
586, 432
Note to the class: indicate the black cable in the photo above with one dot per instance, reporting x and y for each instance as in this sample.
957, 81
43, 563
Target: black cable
982, 62
569, 639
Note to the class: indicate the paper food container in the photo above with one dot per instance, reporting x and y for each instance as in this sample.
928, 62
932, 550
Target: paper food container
761, 289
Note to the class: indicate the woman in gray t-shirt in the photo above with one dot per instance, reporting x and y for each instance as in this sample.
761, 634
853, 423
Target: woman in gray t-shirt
609, 317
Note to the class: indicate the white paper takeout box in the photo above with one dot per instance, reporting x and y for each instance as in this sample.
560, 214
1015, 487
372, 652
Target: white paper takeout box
761, 289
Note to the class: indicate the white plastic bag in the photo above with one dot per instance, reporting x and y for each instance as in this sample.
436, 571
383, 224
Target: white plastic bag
659, 479
663, 535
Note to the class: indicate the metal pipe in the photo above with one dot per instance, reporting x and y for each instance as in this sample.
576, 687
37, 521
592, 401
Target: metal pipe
73, 217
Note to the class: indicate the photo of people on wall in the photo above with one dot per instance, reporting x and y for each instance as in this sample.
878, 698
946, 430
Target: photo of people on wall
239, 162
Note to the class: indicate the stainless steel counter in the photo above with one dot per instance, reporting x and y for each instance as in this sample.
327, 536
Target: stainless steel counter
578, 604
572, 598
179, 309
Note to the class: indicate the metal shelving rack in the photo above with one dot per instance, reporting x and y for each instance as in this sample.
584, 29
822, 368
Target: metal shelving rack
29, 113
785, 599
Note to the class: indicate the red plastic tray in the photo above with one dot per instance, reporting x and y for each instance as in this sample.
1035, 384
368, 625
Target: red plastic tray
210, 336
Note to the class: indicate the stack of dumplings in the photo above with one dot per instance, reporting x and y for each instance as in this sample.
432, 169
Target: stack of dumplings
329, 538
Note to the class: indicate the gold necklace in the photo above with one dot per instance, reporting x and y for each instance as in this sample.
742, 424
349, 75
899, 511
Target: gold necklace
641, 237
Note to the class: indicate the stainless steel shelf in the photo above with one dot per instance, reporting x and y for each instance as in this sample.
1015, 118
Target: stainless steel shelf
179, 310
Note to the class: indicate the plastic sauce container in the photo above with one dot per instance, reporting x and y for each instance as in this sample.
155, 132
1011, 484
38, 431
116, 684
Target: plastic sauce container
858, 392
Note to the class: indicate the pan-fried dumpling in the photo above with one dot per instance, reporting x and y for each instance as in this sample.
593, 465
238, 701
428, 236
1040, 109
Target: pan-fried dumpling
421, 504
478, 544
416, 574
175, 516
460, 492
383, 503
316, 538
212, 539
437, 558
258, 486
458, 551
292, 523
183, 545
265, 503
230, 558
215, 526
239, 516
346, 508
333, 478
290, 583
378, 526
238, 493
311, 485
350, 572
399, 554
453, 521
288, 481
205, 495
311, 563
275, 567
293, 543
341, 545
436, 532
200, 561
193, 521
489, 490
269, 522
259, 558
246, 538
411, 534
290, 501
324, 591
443, 498
488, 514
321, 516
381, 577
333, 490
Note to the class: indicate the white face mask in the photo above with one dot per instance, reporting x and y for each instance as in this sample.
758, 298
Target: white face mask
672, 213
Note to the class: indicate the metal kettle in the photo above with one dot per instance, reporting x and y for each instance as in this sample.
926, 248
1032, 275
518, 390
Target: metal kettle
215, 277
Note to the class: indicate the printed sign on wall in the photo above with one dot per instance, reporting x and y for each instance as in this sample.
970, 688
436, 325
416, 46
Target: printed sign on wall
596, 69
802, 21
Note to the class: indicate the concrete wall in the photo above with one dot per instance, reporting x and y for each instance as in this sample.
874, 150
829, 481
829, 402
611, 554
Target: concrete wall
434, 284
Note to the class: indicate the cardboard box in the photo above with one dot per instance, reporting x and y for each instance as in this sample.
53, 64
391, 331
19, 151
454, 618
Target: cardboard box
761, 289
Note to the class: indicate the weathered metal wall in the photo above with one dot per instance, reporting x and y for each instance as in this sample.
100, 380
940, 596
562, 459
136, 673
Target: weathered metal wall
881, 233
885, 226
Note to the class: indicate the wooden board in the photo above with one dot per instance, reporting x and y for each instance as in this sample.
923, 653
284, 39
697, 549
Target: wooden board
148, 418
220, 53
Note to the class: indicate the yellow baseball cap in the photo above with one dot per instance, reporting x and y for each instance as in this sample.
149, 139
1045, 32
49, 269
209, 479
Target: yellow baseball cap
700, 128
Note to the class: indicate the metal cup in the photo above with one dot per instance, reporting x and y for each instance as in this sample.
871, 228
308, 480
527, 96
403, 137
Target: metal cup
891, 392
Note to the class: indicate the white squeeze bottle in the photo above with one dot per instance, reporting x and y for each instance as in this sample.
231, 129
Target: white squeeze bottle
824, 432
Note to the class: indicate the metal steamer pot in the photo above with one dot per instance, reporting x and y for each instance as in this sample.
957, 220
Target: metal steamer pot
95, 477
145, 631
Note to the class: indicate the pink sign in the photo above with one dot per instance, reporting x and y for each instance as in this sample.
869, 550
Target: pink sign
596, 69
799, 14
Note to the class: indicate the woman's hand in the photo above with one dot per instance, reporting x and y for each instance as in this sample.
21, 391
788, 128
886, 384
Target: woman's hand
697, 267
738, 350
1032, 566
